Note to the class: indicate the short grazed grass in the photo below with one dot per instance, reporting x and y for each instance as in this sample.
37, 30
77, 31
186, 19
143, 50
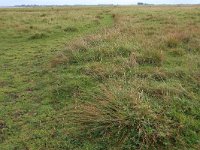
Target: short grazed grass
100, 78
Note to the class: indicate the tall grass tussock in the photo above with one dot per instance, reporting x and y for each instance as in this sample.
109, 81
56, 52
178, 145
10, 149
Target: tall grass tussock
122, 118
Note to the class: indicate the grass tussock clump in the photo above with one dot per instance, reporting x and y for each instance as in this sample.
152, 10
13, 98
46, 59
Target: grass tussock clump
159, 75
102, 72
38, 36
177, 52
132, 60
123, 51
3, 127
155, 58
60, 59
176, 38
161, 93
71, 29
99, 17
78, 45
123, 119
97, 70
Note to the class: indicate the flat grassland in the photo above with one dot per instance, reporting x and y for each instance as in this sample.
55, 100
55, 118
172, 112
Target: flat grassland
97, 78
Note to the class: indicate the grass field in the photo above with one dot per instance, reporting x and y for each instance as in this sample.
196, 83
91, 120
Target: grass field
97, 78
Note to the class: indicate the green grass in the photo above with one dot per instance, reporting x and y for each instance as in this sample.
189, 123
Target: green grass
100, 78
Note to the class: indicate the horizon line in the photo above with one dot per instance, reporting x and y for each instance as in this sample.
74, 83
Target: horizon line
100, 4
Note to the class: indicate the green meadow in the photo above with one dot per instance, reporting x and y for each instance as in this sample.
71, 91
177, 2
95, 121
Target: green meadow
100, 78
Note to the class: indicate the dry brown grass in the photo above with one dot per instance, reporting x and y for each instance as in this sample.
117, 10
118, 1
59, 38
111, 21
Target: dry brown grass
132, 60
151, 57
176, 38
60, 59
123, 116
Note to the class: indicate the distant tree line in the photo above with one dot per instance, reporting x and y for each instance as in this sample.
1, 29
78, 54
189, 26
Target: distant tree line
141, 3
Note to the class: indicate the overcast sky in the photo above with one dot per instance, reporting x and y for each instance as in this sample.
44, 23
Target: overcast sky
92, 2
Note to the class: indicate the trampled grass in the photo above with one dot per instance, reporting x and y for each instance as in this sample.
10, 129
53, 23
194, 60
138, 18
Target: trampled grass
100, 78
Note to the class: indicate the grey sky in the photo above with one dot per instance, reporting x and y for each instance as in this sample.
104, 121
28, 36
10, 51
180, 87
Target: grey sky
92, 2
